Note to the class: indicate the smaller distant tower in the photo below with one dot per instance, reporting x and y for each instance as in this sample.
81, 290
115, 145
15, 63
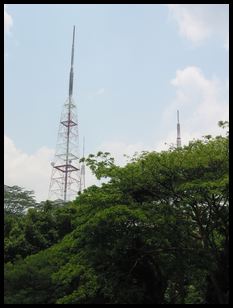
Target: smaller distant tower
82, 175
178, 140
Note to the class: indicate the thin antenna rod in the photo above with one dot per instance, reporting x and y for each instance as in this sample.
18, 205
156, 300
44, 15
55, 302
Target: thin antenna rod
71, 68
72, 56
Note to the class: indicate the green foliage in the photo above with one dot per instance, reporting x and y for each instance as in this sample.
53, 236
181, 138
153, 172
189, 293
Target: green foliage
156, 233
17, 200
30, 281
38, 229
102, 165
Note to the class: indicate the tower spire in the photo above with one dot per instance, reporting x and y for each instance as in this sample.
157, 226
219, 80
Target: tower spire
71, 68
178, 140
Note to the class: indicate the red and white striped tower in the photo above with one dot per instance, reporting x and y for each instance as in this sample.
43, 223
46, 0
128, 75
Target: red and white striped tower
65, 178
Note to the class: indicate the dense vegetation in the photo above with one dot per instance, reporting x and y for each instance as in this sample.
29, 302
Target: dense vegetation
156, 233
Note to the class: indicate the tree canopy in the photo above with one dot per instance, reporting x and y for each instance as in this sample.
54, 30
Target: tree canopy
156, 233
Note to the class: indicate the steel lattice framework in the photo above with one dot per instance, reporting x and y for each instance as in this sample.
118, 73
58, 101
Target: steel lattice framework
66, 178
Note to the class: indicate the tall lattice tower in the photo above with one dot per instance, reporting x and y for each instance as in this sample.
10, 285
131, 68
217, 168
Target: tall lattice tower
178, 140
65, 177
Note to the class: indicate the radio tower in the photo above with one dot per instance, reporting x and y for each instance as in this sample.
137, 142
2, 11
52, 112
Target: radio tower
178, 140
65, 178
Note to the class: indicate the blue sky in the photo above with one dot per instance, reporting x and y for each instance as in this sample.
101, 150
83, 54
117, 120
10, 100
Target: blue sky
134, 66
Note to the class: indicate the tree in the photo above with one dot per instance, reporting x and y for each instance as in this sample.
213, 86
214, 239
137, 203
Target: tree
17, 200
195, 181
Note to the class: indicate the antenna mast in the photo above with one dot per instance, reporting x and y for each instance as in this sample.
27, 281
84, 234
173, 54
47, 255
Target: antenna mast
178, 140
65, 176
82, 176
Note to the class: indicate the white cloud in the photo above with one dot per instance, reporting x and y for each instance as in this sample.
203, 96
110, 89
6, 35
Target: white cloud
8, 21
33, 171
198, 22
29, 171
